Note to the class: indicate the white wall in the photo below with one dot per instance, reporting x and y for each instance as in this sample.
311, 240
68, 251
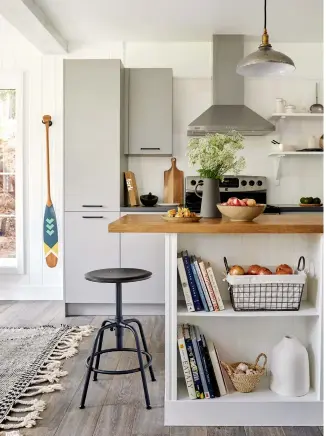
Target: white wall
191, 63
42, 93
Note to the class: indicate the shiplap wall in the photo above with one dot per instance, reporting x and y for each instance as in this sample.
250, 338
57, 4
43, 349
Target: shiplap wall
191, 63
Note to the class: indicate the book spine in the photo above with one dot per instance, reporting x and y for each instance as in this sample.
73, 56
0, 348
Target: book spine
209, 286
216, 290
210, 368
201, 293
191, 281
185, 285
186, 365
203, 285
199, 361
193, 365
205, 366
216, 367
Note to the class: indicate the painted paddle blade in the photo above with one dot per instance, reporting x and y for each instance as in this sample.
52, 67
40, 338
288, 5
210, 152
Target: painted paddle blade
50, 237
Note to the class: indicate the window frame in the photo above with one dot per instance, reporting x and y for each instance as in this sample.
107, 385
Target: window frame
14, 80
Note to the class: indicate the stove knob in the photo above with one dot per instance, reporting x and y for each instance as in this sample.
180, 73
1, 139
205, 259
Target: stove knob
244, 183
259, 183
201, 182
251, 182
193, 182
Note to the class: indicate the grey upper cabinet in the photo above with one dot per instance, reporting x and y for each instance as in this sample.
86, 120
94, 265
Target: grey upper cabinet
93, 134
149, 111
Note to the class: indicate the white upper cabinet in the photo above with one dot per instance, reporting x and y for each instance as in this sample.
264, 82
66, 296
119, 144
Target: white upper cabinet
93, 134
149, 111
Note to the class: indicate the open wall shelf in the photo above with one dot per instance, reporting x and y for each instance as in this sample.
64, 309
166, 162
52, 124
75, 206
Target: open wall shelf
277, 116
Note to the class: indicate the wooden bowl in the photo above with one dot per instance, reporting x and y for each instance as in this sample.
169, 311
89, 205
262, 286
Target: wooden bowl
193, 219
241, 213
311, 205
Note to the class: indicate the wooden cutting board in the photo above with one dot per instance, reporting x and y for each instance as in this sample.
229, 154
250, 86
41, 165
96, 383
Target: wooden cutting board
132, 188
173, 184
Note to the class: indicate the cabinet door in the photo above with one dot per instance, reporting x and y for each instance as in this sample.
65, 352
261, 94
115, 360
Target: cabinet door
89, 246
146, 251
92, 134
150, 111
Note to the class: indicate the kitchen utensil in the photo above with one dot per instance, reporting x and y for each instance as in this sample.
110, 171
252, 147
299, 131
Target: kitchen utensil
311, 205
149, 200
193, 219
241, 213
173, 184
132, 188
280, 146
280, 105
317, 108
50, 229
321, 142
317, 150
289, 109
312, 142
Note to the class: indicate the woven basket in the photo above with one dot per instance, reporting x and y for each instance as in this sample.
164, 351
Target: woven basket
246, 382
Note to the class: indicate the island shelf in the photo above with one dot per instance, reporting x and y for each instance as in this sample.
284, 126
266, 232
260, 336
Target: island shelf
241, 336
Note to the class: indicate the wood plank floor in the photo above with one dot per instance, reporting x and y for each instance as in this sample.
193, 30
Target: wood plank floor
115, 404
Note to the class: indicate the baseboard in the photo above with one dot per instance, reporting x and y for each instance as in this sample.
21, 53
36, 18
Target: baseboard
73, 309
30, 292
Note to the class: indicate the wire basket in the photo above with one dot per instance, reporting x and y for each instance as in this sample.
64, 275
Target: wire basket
267, 292
246, 382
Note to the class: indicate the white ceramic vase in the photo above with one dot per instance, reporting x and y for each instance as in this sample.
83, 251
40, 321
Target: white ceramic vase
290, 368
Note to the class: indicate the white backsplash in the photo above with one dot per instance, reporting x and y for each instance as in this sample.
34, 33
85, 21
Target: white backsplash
300, 176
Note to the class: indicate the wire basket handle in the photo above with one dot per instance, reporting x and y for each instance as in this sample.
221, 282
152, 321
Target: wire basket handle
226, 264
301, 263
265, 360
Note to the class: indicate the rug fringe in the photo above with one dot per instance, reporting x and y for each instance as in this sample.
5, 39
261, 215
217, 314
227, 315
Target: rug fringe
50, 372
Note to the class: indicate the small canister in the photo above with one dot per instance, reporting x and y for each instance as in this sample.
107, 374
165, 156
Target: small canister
280, 105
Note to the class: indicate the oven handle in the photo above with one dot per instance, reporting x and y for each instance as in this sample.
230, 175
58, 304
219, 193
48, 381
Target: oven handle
197, 193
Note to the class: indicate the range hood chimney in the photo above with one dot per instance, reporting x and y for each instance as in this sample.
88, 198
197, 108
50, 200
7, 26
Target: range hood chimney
228, 111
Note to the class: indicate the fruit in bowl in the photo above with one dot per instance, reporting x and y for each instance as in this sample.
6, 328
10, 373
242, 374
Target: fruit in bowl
241, 210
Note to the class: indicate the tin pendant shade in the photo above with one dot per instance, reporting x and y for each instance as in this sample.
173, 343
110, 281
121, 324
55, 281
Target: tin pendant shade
265, 61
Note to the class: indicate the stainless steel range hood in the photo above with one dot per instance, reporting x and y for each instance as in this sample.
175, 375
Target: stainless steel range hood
228, 111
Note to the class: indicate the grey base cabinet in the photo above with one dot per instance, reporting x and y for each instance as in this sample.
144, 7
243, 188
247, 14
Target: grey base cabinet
145, 251
89, 246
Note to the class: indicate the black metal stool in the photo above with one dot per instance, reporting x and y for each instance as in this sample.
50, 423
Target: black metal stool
119, 276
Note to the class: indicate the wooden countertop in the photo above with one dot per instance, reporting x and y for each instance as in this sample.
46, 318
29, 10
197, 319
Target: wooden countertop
285, 223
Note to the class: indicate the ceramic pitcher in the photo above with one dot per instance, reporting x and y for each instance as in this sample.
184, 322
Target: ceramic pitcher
210, 197
290, 368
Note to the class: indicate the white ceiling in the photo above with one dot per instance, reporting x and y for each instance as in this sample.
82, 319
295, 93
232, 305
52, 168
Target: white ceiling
90, 21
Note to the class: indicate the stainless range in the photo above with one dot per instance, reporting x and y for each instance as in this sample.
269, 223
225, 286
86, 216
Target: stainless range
232, 186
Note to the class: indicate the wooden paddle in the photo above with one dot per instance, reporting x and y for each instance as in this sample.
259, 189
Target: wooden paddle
50, 229
173, 184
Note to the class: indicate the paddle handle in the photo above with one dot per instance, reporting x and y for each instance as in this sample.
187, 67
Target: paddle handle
47, 121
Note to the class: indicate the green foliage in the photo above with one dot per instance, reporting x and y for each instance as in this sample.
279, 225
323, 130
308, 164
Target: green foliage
216, 154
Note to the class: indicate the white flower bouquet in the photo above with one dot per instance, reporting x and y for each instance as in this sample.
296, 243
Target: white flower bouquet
216, 154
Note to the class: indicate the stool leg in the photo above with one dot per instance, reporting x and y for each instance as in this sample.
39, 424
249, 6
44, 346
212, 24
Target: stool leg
141, 330
118, 317
99, 348
89, 369
141, 365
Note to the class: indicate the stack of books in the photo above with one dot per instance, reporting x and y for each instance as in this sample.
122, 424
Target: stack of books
201, 365
198, 284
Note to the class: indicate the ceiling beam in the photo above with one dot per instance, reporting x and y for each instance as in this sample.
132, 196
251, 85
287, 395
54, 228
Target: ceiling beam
34, 25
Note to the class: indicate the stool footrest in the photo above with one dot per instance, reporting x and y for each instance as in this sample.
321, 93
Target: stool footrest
120, 372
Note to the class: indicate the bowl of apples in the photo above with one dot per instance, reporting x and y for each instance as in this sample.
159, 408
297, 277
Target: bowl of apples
241, 210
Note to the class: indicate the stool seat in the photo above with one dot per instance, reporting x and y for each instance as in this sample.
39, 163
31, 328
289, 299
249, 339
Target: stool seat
117, 275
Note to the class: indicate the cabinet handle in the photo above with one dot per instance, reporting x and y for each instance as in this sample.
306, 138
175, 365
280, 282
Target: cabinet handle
92, 205
150, 148
93, 217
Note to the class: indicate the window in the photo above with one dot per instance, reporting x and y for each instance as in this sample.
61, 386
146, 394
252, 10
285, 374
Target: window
11, 202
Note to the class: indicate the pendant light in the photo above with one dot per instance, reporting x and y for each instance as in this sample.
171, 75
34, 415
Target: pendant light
265, 61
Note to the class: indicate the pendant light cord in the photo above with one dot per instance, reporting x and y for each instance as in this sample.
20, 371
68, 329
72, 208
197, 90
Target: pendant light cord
265, 15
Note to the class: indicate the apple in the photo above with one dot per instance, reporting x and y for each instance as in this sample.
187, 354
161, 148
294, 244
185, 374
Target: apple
245, 200
251, 202
242, 203
224, 204
236, 202
230, 201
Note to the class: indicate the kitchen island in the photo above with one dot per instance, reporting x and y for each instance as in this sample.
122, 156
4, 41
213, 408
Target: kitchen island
240, 336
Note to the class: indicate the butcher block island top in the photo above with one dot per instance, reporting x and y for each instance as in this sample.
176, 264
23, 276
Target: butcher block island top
285, 223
